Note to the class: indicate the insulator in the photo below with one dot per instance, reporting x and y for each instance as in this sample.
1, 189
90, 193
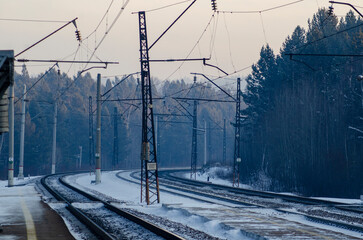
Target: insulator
214, 5
78, 35
330, 11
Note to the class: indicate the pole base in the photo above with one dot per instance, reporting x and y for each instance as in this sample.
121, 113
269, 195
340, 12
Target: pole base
53, 168
11, 178
98, 176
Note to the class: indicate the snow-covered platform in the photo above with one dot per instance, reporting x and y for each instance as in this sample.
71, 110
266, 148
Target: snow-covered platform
23, 215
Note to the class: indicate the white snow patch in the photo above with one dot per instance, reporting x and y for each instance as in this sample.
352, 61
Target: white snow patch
130, 194
87, 205
341, 200
215, 175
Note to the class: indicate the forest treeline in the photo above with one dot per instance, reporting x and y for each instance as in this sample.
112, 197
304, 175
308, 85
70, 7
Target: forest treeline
174, 129
304, 127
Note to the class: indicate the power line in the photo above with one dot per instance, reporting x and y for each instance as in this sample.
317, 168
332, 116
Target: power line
195, 45
171, 25
111, 26
229, 42
204, 99
94, 51
119, 83
331, 35
31, 20
41, 40
323, 55
64, 61
167, 6
263, 28
36, 82
264, 10
103, 17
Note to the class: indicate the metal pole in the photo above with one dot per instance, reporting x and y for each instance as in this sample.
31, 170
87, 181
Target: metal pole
237, 137
90, 132
149, 169
205, 142
54, 148
156, 132
115, 139
22, 135
194, 159
209, 141
224, 142
80, 156
11, 137
98, 131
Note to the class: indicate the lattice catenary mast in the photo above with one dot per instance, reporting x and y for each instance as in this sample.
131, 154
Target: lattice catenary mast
193, 168
149, 168
237, 137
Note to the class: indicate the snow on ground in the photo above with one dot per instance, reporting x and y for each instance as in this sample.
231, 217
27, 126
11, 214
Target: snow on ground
17, 181
212, 175
341, 200
171, 206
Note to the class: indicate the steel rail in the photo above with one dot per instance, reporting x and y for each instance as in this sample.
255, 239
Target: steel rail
290, 198
147, 225
325, 221
94, 227
296, 199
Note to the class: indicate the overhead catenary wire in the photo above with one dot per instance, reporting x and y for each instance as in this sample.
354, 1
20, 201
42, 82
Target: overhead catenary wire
264, 10
41, 40
100, 22
263, 28
167, 6
111, 26
328, 36
36, 82
195, 45
122, 80
31, 20
229, 42
94, 51
167, 29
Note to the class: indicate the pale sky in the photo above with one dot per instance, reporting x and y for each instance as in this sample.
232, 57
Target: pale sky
238, 38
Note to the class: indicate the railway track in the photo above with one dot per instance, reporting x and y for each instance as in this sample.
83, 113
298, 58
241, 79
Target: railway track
313, 210
103, 219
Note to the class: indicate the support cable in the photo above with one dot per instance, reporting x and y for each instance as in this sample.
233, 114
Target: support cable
167, 6
331, 35
263, 28
229, 42
31, 20
122, 80
36, 82
215, 85
264, 10
195, 45
41, 40
103, 17
171, 25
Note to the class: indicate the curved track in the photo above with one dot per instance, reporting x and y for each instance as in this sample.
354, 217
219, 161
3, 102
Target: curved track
169, 175
314, 210
103, 219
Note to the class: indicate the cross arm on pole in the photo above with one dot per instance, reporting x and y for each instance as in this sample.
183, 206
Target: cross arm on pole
229, 95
